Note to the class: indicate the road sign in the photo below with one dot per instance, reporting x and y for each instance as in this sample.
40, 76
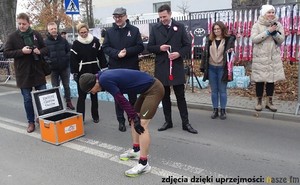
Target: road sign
72, 7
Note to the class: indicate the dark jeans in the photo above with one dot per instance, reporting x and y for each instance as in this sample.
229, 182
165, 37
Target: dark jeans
120, 112
260, 89
64, 75
181, 104
26, 93
81, 103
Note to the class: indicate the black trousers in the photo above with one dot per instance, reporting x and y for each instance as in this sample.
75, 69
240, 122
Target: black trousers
181, 104
260, 89
120, 112
81, 103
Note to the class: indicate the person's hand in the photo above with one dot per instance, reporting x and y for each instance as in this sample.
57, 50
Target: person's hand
36, 51
164, 47
272, 28
137, 125
174, 55
229, 50
76, 77
122, 53
26, 50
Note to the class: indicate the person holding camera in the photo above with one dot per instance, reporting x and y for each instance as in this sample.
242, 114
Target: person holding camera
26, 46
86, 57
267, 34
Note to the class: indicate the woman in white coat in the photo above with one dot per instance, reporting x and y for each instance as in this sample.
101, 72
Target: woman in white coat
267, 34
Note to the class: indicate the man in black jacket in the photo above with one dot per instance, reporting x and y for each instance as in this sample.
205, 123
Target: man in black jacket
123, 43
59, 58
169, 41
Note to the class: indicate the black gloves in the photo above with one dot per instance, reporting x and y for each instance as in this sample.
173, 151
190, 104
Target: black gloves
76, 77
137, 125
273, 33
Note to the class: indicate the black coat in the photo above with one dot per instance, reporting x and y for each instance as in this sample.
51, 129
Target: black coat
117, 39
29, 72
179, 41
229, 43
87, 53
58, 52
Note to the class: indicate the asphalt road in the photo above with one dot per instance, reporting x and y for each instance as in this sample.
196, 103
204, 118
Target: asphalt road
240, 146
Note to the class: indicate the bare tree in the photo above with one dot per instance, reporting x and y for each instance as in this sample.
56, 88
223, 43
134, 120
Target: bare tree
8, 10
184, 7
88, 15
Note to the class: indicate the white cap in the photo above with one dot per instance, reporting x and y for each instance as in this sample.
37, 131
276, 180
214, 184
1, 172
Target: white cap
265, 8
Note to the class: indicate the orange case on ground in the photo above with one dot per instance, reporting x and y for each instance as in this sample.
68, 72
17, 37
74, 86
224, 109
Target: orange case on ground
57, 125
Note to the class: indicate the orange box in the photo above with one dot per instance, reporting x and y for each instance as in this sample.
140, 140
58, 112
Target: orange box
57, 125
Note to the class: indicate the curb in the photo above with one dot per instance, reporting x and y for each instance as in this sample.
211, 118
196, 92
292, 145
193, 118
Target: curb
246, 112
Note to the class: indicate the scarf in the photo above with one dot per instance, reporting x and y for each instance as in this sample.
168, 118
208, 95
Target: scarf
86, 40
27, 37
216, 54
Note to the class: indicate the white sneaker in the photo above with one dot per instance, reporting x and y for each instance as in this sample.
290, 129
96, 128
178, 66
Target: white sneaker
138, 170
130, 154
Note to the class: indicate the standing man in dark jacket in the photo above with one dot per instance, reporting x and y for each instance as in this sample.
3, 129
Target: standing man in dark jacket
26, 47
59, 57
123, 43
169, 41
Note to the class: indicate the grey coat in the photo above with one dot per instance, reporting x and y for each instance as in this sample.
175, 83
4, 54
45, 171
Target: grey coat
266, 64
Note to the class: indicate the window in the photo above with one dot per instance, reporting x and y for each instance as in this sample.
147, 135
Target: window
157, 5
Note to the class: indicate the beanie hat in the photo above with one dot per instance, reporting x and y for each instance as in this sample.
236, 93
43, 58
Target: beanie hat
265, 8
87, 81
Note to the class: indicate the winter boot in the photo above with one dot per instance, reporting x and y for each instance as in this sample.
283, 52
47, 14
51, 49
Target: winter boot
223, 114
258, 106
215, 113
269, 104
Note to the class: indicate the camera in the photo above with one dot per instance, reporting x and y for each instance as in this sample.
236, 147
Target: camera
35, 56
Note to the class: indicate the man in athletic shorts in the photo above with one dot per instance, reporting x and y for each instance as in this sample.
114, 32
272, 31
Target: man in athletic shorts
123, 81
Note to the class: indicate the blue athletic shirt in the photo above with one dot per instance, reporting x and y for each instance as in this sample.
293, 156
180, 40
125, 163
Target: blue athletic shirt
123, 81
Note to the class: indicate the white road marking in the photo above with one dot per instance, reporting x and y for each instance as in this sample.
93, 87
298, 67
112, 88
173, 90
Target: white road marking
195, 171
9, 92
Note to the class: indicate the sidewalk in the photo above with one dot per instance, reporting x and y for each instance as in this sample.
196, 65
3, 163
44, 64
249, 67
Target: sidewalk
200, 99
